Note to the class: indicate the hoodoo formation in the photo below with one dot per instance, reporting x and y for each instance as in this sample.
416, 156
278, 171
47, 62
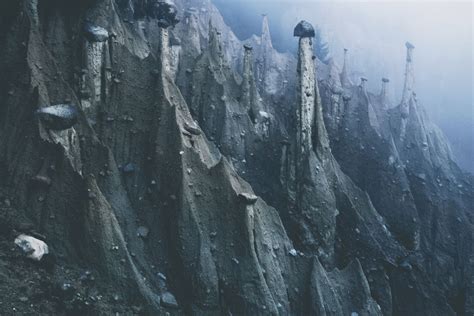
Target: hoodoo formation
151, 163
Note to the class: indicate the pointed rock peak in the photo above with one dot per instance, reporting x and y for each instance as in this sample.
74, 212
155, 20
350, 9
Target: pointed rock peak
304, 29
384, 90
266, 37
334, 77
215, 47
250, 97
345, 55
310, 128
345, 81
409, 79
410, 47
248, 62
305, 90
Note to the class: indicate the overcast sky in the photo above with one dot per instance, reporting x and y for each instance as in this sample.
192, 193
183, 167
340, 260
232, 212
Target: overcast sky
375, 33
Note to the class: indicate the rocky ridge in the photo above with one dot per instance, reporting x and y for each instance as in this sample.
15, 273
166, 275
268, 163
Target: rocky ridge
202, 176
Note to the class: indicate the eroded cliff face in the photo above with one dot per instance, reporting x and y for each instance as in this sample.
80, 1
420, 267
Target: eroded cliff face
197, 175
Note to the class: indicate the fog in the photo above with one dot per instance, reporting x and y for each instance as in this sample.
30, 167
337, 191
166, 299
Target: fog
375, 33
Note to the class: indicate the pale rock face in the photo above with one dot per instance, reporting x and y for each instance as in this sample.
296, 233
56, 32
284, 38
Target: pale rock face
407, 97
336, 106
165, 51
96, 74
306, 95
32, 6
384, 93
94, 52
175, 53
192, 31
345, 79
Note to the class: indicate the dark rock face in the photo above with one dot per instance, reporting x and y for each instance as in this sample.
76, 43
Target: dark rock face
58, 117
304, 29
204, 177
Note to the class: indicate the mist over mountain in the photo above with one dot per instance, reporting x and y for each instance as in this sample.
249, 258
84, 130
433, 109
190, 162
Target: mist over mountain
375, 33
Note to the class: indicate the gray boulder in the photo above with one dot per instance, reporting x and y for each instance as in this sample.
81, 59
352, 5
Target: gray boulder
304, 29
95, 33
58, 117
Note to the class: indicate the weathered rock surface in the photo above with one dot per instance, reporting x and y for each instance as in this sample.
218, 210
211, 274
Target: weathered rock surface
255, 188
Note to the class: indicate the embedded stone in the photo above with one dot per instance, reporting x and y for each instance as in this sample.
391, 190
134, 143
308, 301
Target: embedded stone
58, 117
95, 33
143, 232
191, 11
129, 168
41, 180
248, 198
194, 130
406, 266
168, 300
165, 11
32, 247
304, 29
248, 47
386, 80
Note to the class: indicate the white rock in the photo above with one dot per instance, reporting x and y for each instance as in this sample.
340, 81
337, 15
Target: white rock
33, 248
293, 252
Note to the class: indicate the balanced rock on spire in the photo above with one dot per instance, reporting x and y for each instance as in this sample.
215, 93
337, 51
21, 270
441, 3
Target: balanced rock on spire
304, 29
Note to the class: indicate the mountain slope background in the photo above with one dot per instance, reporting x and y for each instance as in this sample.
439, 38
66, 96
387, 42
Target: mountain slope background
202, 176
